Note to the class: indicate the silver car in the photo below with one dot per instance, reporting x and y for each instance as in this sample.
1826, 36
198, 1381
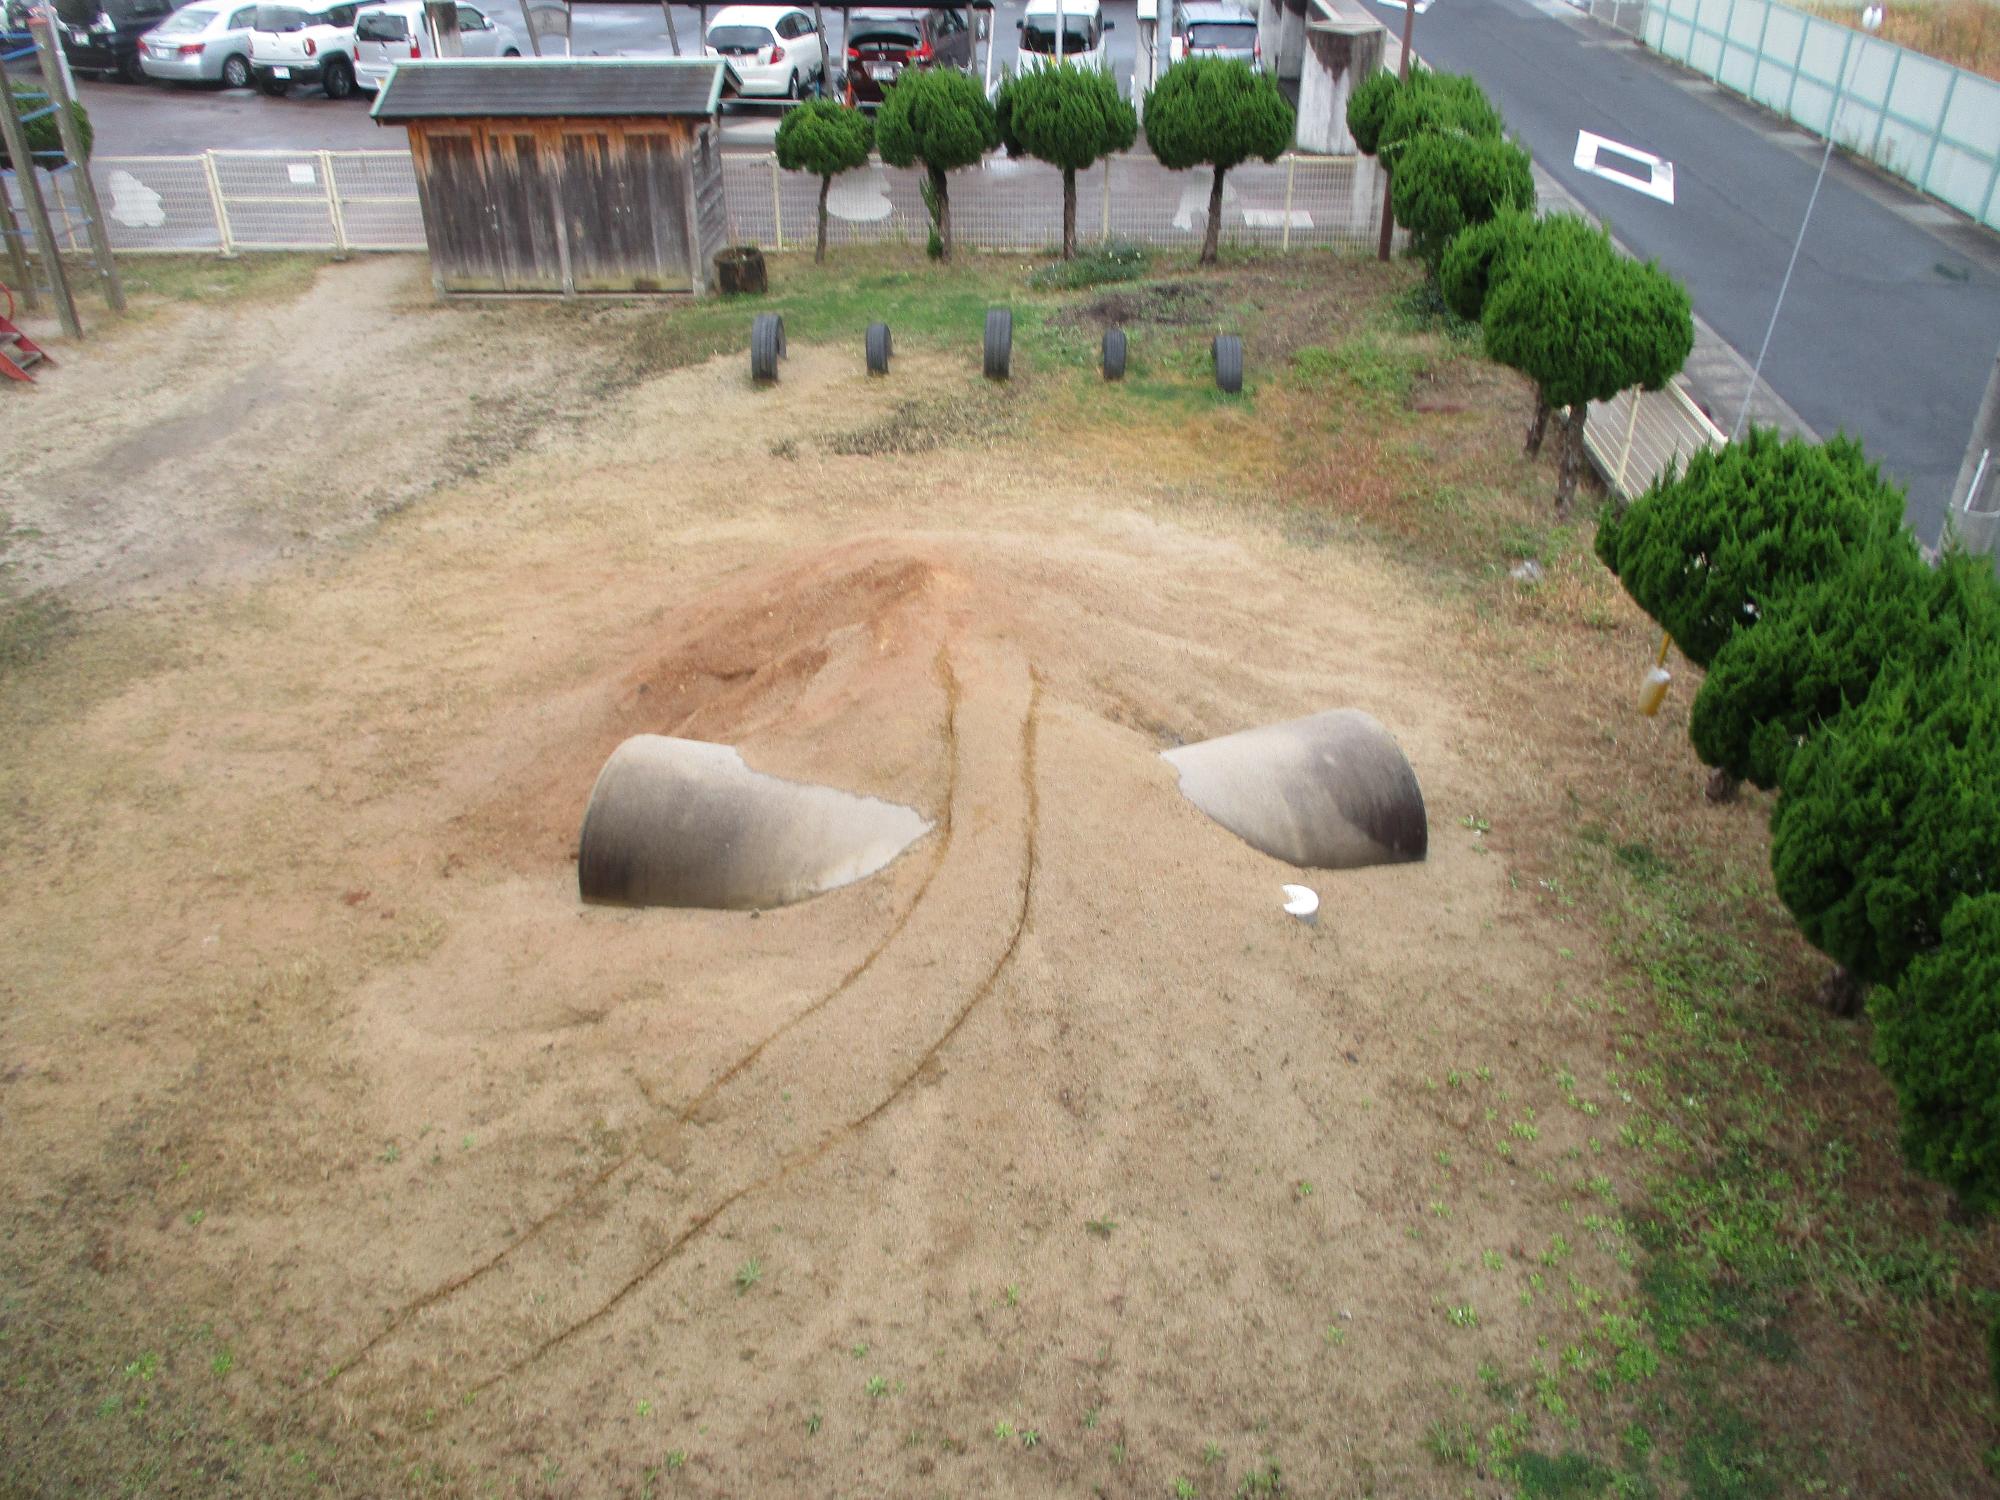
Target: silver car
205, 43
1214, 28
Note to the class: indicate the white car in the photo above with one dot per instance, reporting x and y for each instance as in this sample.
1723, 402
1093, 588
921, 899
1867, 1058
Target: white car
385, 35
1080, 40
205, 43
773, 48
306, 43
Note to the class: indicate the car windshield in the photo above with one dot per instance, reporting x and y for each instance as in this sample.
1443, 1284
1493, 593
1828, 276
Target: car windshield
1223, 36
194, 18
1039, 35
281, 18
379, 26
739, 41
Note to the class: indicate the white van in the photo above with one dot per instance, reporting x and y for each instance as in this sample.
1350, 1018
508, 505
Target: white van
1069, 30
385, 35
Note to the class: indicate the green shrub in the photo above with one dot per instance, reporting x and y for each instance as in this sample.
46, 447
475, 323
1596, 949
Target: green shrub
1817, 651
44, 137
1890, 814
937, 118
1113, 261
1435, 102
1708, 546
1937, 1036
1368, 107
1446, 182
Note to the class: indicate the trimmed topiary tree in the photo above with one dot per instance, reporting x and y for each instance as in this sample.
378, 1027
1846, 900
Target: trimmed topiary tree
1368, 106
1584, 323
1937, 1036
1447, 182
1216, 112
1710, 545
825, 139
1891, 814
1482, 255
1069, 116
1442, 103
1817, 651
939, 118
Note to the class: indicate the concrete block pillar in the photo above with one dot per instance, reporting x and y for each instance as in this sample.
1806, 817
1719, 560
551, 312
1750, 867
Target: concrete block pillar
1268, 12
1338, 55
1291, 39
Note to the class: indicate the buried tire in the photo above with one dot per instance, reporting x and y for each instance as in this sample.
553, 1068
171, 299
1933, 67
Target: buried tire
1114, 354
767, 345
1228, 352
999, 342
879, 348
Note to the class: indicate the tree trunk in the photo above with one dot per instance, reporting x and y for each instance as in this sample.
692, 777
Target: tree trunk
1388, 224
1722, 787
1069, 213
1539, 425
942, 189
819, 250
1840, 993
1213, 239
1569, 458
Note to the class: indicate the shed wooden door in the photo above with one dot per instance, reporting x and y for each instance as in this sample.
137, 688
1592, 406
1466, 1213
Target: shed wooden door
460, 222
524, 201
624, 199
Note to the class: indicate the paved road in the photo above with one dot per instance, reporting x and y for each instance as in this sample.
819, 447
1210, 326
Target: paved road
1892, 319
170, 120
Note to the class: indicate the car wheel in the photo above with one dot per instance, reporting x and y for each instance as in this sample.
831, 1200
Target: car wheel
277, 88
512, 52
1228, 352
236, 72
767, 346
1114, 354
878, 348
338, 79
999, 342
129, 70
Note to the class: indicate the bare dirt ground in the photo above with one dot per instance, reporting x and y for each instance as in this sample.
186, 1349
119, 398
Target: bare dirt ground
347, 1149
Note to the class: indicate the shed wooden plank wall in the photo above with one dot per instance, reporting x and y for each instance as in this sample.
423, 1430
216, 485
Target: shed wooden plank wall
563, 205
711, 212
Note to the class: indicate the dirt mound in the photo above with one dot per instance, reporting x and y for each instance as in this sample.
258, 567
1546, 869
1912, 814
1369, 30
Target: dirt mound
1168, 304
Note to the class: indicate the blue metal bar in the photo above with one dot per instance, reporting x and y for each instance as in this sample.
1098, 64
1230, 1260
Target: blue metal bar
34, 115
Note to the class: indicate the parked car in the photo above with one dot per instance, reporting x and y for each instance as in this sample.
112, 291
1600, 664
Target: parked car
1081, 42
881, 43
305, 43
385, 35
204, 43
1214, 28
101, 37
773, 48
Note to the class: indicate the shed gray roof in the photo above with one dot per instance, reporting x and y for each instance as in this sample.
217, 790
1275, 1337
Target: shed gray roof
548, 88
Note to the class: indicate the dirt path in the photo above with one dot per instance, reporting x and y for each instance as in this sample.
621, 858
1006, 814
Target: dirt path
1059, 1126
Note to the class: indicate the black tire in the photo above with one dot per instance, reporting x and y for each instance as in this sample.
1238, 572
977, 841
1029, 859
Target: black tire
129, 69
879, 348
1228, 352
236, 71
337, 78
767, 346
1114, 354
999, 342
792, 85
277, 88
512, 52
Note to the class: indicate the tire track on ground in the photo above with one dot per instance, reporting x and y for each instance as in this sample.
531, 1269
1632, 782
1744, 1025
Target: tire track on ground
411, 1310
799, 1160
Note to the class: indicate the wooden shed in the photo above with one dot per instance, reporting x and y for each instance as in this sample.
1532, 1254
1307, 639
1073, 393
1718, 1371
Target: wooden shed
565, 175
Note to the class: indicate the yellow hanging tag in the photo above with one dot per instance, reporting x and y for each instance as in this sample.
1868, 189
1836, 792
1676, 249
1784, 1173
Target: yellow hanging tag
1654, 692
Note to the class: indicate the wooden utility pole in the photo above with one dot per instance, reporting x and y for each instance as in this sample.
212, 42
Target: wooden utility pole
1403, 74
16, 141
673, 36
528, 20
42, 29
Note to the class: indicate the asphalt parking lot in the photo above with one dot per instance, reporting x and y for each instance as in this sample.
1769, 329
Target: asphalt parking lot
157, 119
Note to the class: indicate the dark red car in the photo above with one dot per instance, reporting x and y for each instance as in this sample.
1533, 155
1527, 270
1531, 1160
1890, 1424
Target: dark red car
881, 43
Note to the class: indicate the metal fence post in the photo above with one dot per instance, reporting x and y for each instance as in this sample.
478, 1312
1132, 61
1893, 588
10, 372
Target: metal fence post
1291, 171
1889, 92
225, 245
777, 204
333, 206
1944, 113
1625, 458
1107, 199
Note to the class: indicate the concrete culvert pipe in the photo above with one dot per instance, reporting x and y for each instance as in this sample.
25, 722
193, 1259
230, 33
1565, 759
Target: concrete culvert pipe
686, 823
1329, 792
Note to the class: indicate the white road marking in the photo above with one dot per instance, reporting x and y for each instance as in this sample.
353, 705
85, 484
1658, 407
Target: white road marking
1422, 5
1192, 213
133, 203
1273, 218
1658, 181
860, 197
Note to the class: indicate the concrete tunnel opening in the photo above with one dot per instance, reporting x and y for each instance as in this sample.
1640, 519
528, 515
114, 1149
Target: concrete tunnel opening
1332, 791
675, 822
